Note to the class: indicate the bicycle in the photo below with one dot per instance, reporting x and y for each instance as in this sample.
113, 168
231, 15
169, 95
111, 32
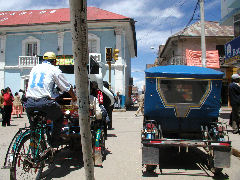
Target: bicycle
29, 150
29, 153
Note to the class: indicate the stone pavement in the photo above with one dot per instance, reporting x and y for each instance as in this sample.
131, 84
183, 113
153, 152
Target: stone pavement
123, 160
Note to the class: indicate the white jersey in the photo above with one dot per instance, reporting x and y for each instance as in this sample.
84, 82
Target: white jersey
43, 78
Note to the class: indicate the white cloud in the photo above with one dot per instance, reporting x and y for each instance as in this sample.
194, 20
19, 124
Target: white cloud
139, 84
141, 9
13, 5
137, 70
139, 80
148, 38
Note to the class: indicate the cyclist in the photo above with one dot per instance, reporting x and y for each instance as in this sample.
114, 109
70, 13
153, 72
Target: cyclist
43, 78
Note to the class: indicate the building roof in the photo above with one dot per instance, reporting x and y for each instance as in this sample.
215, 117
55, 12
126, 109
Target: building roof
30, 17
211, 29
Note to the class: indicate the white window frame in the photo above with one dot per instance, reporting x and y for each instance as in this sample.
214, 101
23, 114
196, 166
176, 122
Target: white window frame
97, 39
30, 40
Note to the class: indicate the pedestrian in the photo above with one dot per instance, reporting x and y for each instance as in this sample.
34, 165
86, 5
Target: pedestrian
23, 100
17, 105
8, 102
141, 104
117, 101
234, 97
1, 102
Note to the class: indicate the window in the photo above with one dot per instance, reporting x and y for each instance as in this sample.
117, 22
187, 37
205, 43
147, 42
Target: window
92, 46
30, 46
31, 49
221, 50
183, 91
93, 43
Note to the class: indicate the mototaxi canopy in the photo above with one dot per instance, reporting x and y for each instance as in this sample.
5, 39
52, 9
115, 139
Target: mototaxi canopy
182, 71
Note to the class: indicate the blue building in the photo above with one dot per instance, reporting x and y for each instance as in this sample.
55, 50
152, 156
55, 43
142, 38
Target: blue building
26, 35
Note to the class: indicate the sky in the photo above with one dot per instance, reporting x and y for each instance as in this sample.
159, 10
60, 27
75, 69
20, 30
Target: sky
156, 21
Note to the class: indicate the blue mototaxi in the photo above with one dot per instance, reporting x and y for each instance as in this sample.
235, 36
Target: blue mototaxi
181, 108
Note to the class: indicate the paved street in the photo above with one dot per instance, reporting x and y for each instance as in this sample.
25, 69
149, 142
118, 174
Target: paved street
123, 160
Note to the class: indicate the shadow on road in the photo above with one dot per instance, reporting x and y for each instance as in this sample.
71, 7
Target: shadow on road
132, 108
174, 163
65, 162
111, 135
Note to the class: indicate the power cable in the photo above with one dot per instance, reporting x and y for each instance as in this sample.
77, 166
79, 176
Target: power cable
192, 18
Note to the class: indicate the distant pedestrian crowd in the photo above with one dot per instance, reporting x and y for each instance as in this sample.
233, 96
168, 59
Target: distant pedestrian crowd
11, 105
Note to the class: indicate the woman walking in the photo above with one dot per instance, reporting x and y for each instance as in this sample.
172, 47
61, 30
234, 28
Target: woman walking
8, 102
17, 105
1, 102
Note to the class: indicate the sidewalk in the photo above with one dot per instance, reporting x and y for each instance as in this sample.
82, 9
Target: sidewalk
235, 138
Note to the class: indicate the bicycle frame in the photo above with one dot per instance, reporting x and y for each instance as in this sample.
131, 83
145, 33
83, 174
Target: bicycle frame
37, 132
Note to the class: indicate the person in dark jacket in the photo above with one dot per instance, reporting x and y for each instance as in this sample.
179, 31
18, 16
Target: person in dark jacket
234, 97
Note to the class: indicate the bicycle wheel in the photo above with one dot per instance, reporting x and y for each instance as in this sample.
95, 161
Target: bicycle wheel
26, 163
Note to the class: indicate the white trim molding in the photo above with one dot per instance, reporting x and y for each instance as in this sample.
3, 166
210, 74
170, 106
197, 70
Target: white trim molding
95, 37
30, 39
60, 42
2, 60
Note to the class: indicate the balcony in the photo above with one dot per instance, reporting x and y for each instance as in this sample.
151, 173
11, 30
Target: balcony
31, 61
180, 60
28, 61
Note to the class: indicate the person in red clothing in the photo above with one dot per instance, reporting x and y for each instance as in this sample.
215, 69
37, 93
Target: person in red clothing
8, 102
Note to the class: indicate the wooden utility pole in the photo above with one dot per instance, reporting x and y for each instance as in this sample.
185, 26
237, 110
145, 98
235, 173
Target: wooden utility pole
203, 43
78, 12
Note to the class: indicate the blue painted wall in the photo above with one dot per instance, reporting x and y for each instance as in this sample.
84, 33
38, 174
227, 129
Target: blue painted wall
49, 42
67, 43
13, 49
12, 80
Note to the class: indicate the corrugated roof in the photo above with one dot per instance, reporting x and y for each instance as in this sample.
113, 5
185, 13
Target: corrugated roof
211, 29
28, 17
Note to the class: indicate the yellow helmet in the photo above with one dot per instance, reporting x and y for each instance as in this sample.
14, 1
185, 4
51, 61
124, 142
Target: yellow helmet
49, 55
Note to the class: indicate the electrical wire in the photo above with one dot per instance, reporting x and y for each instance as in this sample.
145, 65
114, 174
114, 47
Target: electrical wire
192, 18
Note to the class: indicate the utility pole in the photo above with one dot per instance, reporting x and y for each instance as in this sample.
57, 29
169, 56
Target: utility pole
203, 43
78, 12
109, 75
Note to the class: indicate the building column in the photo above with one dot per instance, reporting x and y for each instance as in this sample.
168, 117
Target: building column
119, 66
2, 60
60, 42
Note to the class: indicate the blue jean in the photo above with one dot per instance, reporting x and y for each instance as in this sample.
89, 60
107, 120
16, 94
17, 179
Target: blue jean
49, 107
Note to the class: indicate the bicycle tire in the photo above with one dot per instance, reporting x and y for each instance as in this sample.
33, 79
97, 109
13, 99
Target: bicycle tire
22, 167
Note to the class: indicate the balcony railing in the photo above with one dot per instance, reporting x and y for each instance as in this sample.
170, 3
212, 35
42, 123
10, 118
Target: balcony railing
31, 61
180, 60
28, 61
